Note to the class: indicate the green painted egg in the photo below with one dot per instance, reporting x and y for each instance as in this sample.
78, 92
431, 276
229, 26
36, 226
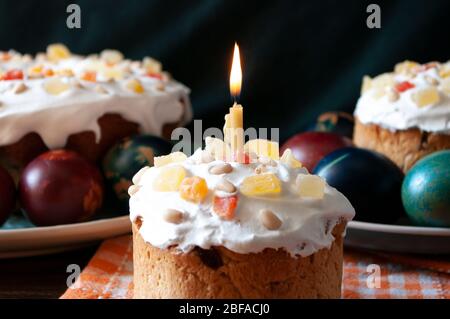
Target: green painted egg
426, 191
127, 157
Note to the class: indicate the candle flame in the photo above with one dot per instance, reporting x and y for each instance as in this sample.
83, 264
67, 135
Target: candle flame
236, 73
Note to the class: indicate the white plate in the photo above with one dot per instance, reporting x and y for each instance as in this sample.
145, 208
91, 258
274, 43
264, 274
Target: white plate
21, 242
398, 238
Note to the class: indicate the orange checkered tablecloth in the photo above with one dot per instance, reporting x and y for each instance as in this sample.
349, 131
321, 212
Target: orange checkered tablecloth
109, 274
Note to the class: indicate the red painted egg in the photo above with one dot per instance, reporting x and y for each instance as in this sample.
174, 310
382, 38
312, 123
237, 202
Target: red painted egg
60, 187
7, 195
310, 147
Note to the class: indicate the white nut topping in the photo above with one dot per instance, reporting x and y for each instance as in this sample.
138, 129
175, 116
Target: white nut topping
269, 219
225, 186
173, 216
393, 95
100, 89
20, 88
221, 169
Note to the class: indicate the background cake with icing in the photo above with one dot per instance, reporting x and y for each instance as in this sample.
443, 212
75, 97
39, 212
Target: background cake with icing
83, 103
405, 114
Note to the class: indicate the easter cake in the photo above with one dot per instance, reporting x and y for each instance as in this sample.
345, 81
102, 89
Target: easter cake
218, 225
405, 114
83, 103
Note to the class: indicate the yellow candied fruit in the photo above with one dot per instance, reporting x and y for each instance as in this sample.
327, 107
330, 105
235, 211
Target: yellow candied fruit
65, 72
112, 73
111, 56
263, 147
58, 51
174, 157
427, 96
289, 159
383, 80
262, 184
55, 86
406, 67
136, 86
193, 189
445, 85
152, 66
218, 148
35, 71
169, 179
444, 72
366, 84
310, 186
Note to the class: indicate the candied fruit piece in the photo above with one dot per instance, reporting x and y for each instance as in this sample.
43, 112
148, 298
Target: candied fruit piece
225, 207
55, 86
152, 66
112, 73
404, 86
136, 86
193, 189
263, 147
444, 72
35, 71
174, 157
262, 184
383, 80
366, 84
90, 76
56, 52
169, 179
445, 85
428, 96
310, 186
289, 159
406, 67
13, 74
217, 148
111, 56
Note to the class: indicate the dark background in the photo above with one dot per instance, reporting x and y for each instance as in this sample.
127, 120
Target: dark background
300, 58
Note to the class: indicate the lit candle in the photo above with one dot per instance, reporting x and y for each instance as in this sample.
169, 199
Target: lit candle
234, 121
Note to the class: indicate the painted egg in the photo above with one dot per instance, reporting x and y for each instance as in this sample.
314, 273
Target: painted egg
310, 147
426, 191
7, 195
368, 179
127, 157
60, 187
334, 122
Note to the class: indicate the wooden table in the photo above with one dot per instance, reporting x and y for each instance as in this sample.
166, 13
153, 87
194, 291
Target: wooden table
42, 276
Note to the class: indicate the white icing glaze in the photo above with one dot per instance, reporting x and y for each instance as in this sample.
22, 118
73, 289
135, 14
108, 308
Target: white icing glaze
55, 117
304, 220
404, 113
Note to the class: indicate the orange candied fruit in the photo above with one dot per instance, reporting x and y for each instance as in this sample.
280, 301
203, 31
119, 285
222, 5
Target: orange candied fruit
225, 207
13, 74
193, 189
90, 76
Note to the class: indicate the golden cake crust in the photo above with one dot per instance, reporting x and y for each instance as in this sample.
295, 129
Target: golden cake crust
221, 273
403, 147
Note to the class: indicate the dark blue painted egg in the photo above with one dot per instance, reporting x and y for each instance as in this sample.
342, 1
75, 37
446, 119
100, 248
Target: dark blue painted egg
426, 191
334, 122
127, 157
368, 179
